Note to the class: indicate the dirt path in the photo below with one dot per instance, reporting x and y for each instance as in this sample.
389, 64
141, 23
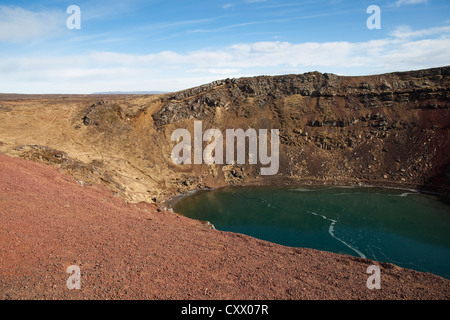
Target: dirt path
49, 222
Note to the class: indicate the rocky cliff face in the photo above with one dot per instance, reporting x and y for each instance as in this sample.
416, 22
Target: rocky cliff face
385, 129
391, 130
429, 88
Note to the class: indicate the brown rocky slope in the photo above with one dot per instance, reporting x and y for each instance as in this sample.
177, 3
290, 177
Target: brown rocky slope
135, 251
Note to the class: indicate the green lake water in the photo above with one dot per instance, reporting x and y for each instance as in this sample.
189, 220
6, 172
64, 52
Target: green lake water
406, 228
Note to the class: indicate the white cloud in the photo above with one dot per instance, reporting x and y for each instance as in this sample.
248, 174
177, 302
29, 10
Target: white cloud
407, 32
406, 2
228, 5
171, 71
19, 25
216, 71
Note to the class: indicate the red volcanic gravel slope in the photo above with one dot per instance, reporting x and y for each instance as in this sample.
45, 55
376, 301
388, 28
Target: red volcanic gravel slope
49, 222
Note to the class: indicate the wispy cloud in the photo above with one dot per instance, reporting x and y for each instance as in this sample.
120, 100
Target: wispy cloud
407, 2
215, 71
406, 32
228, 5
20, 25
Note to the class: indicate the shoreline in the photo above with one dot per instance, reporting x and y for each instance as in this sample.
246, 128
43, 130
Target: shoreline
172, 201
175, 200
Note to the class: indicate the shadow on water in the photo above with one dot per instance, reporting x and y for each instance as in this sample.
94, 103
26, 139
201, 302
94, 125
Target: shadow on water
443, 180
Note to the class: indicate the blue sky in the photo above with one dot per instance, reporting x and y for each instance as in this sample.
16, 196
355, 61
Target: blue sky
169, 45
